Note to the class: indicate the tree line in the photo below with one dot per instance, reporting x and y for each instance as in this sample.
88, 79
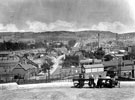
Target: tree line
12, 46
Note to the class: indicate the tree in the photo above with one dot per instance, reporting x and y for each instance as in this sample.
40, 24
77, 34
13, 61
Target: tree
99, 53
71, 43
47, 65
108, 57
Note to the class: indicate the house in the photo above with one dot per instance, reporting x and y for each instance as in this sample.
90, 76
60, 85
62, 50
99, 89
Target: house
7, 62
90, 61
120, 64
94, 69
24, 70
5, 74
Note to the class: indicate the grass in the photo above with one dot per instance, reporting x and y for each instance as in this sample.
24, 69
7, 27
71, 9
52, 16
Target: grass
126, 92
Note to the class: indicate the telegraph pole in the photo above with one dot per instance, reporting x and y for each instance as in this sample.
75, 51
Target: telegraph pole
119, 67
132, 67
117, 38
98, 40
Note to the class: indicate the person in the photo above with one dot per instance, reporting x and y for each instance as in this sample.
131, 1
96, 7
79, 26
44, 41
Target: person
91, 81
99, 82
115, 81
82, 69
81, 76
80, 81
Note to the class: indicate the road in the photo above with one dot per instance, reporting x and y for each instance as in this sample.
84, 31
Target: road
56, 62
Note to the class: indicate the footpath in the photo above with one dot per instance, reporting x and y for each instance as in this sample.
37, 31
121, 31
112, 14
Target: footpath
13, 86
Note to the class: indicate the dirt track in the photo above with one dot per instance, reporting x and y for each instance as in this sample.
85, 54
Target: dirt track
126, 92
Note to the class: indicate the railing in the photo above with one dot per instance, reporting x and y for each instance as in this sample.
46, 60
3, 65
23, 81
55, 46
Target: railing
56, 78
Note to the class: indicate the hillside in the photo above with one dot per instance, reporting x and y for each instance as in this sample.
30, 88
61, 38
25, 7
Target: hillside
67, 35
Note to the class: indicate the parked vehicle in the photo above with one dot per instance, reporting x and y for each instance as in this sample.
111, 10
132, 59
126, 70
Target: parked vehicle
101, 83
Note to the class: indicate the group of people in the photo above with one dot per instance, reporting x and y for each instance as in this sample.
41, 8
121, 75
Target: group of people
99, 81
104, 81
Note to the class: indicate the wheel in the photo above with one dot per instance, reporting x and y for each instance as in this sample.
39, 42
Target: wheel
91, 84
81, 84
76, 85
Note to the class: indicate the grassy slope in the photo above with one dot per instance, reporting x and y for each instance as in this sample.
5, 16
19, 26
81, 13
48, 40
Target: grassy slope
66, 35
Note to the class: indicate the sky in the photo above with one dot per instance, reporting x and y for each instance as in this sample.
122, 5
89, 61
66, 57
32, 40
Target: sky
70, 15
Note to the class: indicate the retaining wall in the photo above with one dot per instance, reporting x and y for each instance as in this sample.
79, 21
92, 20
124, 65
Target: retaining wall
8, 86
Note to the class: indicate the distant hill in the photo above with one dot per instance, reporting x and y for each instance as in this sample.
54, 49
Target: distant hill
67, 35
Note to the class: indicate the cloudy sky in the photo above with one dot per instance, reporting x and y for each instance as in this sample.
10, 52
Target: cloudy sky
73, 15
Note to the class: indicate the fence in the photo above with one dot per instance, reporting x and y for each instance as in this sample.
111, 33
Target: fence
44, 79
64, 75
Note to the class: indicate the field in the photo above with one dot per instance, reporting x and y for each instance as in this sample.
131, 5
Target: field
126, 92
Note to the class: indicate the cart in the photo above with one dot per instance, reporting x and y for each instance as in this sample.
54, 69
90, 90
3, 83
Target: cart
101, 83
